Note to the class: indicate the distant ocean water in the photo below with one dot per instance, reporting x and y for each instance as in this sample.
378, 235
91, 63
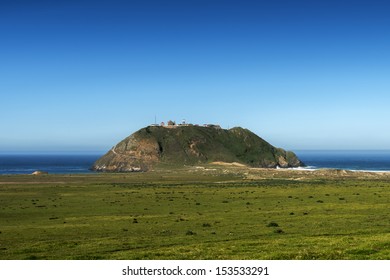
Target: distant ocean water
54, 164
348, 160
76, 164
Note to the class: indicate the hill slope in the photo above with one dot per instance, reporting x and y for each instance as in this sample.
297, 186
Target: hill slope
189, 145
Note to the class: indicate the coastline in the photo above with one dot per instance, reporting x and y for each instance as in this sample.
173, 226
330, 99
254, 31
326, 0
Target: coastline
313, 169
354, 161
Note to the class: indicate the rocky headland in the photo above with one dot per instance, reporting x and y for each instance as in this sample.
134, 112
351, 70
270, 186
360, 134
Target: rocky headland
179, 145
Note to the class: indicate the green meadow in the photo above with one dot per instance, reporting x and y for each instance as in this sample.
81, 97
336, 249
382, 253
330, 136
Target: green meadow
205, 212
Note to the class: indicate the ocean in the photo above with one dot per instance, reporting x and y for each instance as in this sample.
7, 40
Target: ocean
80, 163
348, 160
52, 163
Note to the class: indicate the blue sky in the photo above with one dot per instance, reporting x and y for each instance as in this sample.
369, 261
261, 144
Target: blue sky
82, 75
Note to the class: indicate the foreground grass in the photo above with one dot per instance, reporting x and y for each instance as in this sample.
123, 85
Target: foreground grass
202, 213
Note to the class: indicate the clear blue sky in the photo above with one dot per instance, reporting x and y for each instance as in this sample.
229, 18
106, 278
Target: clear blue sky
82, 75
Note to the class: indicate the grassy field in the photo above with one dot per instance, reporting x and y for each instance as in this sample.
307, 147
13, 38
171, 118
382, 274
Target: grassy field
206, 212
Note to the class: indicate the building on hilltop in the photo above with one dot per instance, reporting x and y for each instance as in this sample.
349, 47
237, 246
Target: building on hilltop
173, 124
184, 123
217, 126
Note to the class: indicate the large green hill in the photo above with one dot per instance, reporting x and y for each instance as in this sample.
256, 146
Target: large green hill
190, 145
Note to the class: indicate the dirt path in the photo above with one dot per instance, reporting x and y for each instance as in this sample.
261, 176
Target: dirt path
113, 150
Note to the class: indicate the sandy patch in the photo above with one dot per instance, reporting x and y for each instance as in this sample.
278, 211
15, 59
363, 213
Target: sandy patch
228, 163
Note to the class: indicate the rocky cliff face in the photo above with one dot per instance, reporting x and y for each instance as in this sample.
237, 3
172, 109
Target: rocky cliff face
190, 145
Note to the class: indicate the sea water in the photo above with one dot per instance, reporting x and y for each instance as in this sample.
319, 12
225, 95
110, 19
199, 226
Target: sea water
52, 163
81, 163
348, 160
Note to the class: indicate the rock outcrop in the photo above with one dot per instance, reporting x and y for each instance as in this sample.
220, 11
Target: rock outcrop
39, 172
190, 145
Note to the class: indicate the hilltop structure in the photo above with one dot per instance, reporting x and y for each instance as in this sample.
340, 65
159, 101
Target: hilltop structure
178, 145
173, 124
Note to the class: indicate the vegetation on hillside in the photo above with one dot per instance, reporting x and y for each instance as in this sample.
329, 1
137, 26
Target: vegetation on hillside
189, 145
